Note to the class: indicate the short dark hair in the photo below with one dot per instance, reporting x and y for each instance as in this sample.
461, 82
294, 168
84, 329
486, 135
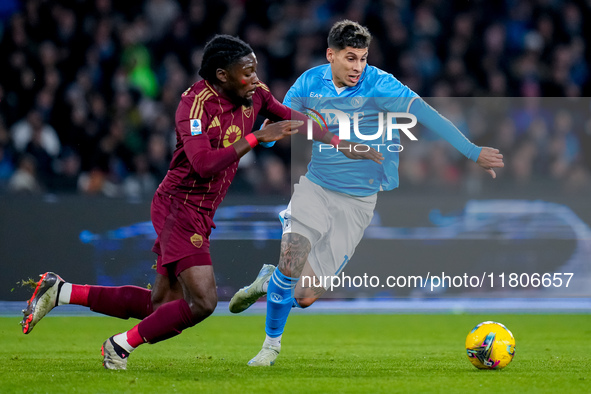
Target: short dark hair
222, 51
347, 33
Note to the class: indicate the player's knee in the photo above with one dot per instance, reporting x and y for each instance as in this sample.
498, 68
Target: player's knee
203, 307
305, 302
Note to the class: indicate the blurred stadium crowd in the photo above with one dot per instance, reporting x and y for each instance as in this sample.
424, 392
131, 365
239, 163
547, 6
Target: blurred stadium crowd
89, 89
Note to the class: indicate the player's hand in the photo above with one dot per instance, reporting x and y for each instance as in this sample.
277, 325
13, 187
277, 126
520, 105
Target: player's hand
361, 153
490, 158
273, 131
266, 123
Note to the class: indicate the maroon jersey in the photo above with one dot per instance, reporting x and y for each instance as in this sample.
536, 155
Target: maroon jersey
204, 161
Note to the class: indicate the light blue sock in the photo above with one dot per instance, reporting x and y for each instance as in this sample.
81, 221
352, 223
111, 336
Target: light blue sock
279, 302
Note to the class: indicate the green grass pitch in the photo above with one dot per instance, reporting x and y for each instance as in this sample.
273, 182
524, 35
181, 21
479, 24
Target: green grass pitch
321, 354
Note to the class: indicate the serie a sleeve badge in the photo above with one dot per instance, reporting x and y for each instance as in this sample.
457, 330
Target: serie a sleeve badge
196, 126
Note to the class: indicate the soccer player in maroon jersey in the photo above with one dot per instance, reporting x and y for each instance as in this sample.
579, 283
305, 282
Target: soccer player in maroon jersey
214, 123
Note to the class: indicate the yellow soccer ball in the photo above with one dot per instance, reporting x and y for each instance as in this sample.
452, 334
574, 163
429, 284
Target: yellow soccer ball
490, 345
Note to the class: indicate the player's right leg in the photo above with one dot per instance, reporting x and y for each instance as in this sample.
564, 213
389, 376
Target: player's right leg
116, 349
194, 275
248, 295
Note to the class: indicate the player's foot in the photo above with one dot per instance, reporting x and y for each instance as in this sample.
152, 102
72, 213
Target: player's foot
266, 356
114, 356
44, 299
248, 295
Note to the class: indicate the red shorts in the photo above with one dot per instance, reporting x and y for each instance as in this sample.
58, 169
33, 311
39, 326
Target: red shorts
183, 234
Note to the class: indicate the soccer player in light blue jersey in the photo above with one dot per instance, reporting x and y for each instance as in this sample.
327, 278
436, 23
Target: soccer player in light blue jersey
334, 202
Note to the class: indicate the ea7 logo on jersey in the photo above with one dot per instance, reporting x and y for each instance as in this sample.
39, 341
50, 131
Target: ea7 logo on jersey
195, 126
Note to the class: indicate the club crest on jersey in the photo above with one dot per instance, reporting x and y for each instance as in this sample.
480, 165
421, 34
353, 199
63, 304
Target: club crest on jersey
197, 240
356, 102
195, 126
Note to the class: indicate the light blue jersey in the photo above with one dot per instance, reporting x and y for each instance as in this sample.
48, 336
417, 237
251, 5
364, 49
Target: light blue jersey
376, 94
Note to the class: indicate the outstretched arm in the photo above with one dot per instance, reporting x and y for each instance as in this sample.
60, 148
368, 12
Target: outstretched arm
487, 158
207, 161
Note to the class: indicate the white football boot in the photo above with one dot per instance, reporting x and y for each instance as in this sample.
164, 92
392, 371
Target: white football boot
266, 356
248, 295
44, 299
114, 356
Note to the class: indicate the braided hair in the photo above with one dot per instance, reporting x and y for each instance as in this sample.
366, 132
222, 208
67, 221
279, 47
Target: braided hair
222, 51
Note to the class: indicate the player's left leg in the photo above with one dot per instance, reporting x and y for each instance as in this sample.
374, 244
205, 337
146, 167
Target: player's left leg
117, 301
196, 278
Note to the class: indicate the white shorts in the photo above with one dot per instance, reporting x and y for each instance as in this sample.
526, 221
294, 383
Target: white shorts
333, 223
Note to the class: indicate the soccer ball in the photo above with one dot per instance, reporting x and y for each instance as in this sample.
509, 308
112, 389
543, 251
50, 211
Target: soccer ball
490, 345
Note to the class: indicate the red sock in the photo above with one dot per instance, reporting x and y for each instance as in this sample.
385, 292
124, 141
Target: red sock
134, 338
123, 302
79, 295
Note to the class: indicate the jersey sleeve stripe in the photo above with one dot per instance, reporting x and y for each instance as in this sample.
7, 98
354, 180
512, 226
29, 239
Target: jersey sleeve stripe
199, 109
198, 103
195, 100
